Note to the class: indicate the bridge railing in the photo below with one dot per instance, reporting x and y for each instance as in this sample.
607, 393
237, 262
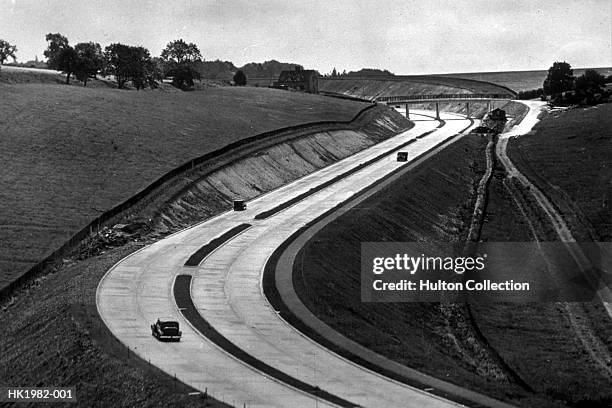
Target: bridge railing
442, 96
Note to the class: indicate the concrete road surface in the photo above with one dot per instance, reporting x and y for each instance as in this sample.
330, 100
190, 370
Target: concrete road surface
226, 289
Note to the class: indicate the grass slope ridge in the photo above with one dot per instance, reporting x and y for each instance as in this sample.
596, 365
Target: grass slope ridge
408, 85
75, 152
209, 192
371, 88
553, 346
53, 335
571, 164
427, 337
544, 344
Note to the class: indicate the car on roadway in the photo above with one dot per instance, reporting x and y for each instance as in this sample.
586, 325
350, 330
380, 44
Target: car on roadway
239, 205
402, 156
166, 328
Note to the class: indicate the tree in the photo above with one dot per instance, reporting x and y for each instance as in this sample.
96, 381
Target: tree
179, 59
128, 63
239, 78
66, 61
334, 73
560, 79
89, 62
155, 72
60, 55
590, 86
7, 51
180, 52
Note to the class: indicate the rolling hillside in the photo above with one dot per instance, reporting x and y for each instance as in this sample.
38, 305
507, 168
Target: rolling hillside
70, 152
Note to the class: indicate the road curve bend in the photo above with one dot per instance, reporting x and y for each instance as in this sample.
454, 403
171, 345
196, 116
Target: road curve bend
226, 290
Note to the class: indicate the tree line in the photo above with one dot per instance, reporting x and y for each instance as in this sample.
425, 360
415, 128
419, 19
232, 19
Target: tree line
561, 87
126, 63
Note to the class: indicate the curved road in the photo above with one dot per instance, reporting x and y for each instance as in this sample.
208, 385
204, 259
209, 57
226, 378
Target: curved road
226, 289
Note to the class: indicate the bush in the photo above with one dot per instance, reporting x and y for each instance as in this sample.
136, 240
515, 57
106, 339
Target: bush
531, 94
183, 76
240, 78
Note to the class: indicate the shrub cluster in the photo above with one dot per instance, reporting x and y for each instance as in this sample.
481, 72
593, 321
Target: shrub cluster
562, 88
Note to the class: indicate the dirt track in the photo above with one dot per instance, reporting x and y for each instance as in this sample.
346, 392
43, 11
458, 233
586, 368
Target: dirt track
592, 343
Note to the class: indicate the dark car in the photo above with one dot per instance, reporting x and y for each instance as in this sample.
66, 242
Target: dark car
239, 205
166, 329
402, 156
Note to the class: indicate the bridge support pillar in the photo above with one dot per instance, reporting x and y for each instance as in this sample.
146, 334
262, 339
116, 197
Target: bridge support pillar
407, 112
437, 111
467, 107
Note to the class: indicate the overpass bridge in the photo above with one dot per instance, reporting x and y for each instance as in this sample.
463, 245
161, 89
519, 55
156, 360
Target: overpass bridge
438, 98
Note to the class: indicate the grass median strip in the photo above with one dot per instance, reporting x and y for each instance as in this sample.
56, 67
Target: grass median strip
196, 258
182, 296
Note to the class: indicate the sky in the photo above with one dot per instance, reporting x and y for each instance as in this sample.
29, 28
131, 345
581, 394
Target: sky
403, 36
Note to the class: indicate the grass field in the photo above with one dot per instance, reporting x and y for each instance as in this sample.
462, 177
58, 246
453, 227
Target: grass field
432, 204
539, 342
571, 163
71, 152
568, 158
52, 333
52, 337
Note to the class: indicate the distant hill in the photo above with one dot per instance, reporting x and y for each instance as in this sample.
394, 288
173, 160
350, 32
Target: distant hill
267, 69
217, 69
225, 70
371, 72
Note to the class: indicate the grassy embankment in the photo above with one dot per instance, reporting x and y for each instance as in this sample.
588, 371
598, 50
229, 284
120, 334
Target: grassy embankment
370, 88
567, 157
434, 204
52, 335
270, 168
70, 152
549, 344
540, 342
570, 162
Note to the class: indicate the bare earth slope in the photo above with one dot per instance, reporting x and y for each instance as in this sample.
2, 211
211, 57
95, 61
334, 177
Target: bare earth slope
70, 152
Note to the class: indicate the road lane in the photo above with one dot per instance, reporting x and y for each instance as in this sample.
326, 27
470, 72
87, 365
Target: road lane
226, 289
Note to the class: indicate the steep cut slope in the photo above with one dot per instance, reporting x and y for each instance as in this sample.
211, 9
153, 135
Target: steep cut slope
275, 166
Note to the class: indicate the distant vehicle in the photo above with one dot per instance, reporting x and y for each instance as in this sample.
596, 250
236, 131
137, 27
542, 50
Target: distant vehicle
239, 205
402, 156
166, 329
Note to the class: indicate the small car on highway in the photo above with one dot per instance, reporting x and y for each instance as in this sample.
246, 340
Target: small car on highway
166, 329
239, 205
